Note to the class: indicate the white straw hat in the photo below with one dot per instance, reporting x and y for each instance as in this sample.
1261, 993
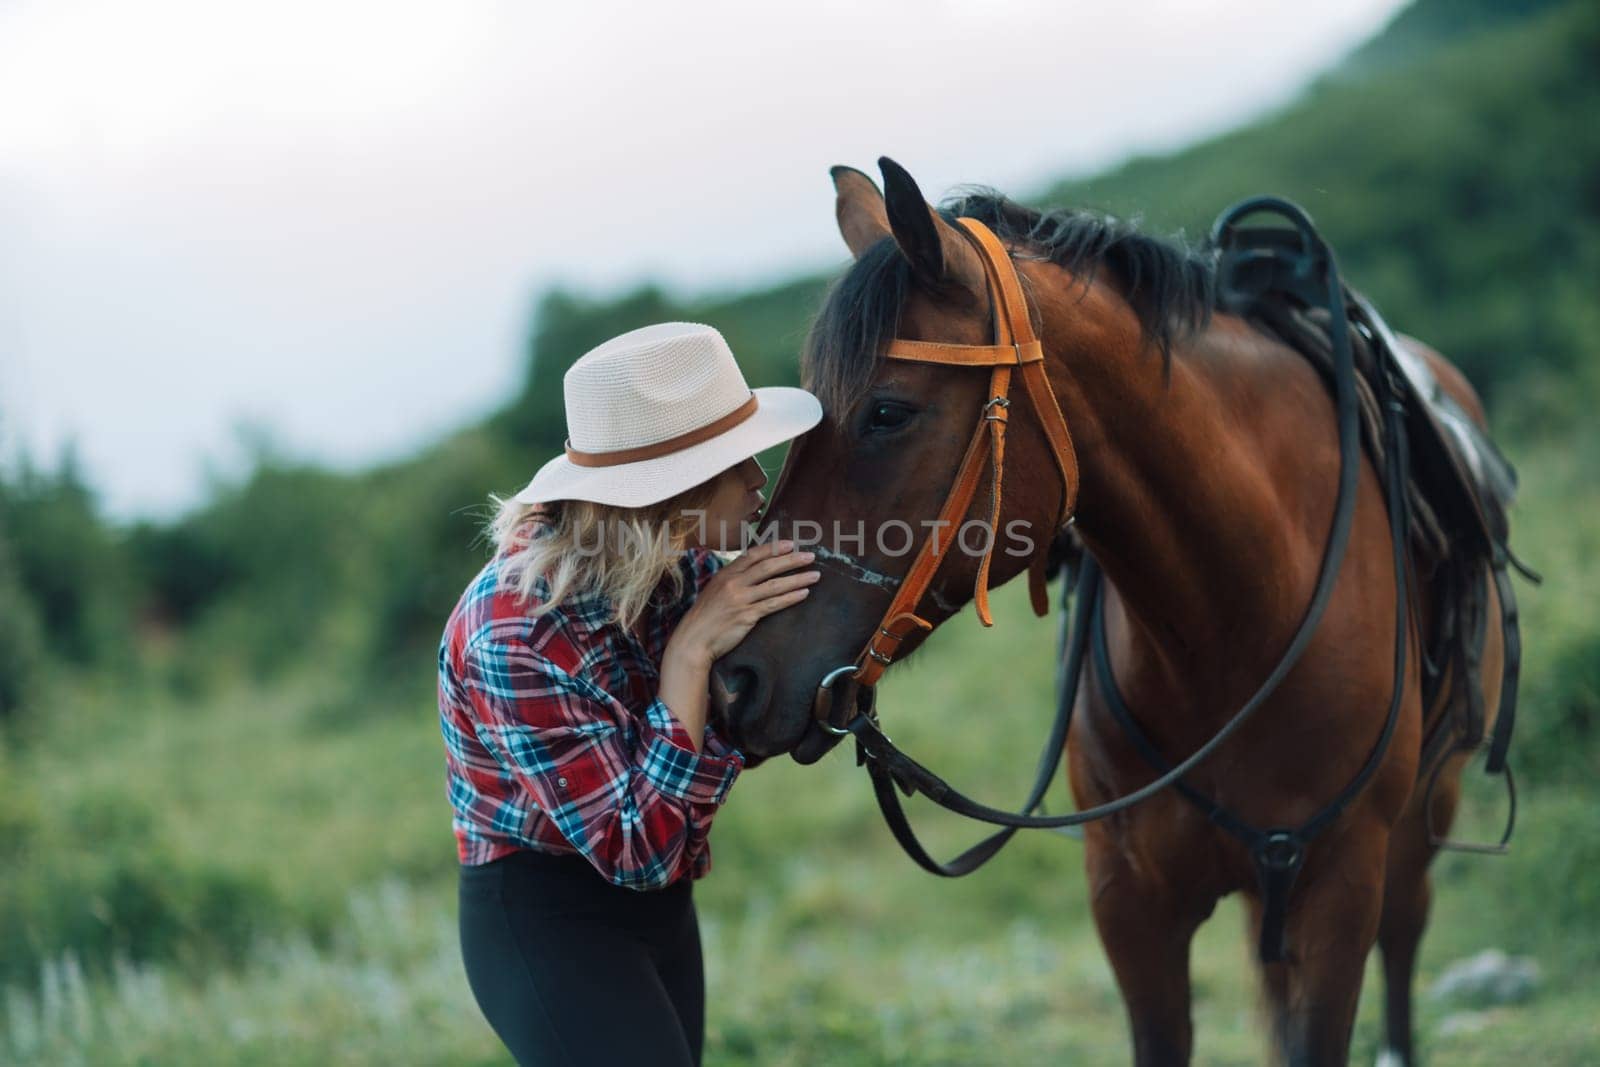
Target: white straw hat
659, 410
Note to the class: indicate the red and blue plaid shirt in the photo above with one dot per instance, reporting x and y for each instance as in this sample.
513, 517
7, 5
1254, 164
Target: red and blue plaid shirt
555, 739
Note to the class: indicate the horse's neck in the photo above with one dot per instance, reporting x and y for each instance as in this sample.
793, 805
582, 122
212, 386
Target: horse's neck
1175, 502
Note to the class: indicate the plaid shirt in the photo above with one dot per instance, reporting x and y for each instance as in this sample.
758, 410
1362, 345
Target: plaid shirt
556, 741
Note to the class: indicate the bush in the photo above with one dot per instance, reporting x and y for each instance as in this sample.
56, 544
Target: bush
67, 565
20, 645
100, 880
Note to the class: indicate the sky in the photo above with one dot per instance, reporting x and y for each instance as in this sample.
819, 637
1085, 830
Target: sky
325, 224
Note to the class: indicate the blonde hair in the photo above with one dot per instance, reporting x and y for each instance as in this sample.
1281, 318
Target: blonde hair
622, 553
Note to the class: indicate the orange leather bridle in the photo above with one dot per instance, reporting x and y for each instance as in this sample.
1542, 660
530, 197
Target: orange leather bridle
1016, 350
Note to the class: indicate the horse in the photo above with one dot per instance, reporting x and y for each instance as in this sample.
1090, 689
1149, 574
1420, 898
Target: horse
1206, 452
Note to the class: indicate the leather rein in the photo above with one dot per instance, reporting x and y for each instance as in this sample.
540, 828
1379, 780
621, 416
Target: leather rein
1278, 853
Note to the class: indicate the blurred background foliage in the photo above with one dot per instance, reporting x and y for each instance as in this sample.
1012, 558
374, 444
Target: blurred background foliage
214, 731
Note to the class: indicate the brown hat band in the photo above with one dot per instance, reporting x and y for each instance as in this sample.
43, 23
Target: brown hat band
667, 447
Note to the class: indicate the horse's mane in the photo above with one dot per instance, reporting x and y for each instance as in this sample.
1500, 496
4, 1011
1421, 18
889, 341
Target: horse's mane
1170, 286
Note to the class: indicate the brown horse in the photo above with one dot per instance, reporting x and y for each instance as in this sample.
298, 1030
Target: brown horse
1207, 455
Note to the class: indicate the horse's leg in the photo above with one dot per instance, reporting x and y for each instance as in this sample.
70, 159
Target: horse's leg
1333, 920
1407, 890
1146, 929
1406, 897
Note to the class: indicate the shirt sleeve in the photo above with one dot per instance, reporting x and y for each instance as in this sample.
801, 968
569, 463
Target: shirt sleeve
627, 790
704, 563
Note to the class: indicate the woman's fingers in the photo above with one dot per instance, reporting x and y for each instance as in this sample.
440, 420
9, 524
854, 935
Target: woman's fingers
785, 583
761, 581
763, 569
762, 550
753, 555
778, 603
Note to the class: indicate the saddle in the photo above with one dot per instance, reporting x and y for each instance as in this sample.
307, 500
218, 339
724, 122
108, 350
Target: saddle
1459, 484
1462, 485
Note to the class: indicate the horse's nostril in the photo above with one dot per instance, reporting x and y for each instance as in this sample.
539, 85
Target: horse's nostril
729, 690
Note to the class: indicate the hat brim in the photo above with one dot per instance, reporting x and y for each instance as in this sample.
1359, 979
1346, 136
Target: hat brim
781, 413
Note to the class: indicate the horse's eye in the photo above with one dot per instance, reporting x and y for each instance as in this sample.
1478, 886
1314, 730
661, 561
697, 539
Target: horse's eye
887, 415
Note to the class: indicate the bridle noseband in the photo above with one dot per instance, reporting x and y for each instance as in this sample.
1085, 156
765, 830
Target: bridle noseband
1016, 349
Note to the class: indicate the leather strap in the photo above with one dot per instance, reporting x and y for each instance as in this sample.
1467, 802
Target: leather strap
965, 355
1020, 325
1018, 349
1511, 631
1071, 670
667, 447
901, 619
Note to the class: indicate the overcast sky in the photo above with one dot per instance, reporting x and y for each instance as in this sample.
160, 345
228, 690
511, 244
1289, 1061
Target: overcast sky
331, 219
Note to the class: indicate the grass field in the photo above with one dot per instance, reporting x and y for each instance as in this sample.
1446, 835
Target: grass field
264, 876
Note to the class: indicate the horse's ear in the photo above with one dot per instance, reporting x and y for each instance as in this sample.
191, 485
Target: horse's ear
858, 206
939, 255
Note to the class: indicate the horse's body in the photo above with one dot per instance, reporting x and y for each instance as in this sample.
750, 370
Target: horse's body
1206, 494
1184, 662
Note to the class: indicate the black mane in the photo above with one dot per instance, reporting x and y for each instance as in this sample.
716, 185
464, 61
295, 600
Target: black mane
1170, 286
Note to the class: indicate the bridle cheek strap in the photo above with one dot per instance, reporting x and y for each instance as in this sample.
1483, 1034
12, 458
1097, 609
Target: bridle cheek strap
901, 618
1014, 325
1016, 348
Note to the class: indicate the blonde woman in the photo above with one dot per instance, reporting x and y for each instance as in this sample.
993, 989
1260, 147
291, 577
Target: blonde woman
581, 768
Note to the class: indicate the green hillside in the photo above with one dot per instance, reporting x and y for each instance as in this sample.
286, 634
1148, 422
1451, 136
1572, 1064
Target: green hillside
1459, 189
223, 836
1421, 28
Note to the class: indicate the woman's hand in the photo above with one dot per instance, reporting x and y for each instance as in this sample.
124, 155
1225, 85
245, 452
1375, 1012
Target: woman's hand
737, 597
763, 580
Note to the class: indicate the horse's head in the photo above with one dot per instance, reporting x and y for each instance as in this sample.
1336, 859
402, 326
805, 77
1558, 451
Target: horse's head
867, 484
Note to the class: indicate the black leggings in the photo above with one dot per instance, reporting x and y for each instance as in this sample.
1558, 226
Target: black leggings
571, 970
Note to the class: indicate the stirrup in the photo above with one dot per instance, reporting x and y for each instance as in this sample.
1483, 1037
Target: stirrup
1499, 848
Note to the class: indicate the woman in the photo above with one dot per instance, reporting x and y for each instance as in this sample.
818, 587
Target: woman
572, 697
